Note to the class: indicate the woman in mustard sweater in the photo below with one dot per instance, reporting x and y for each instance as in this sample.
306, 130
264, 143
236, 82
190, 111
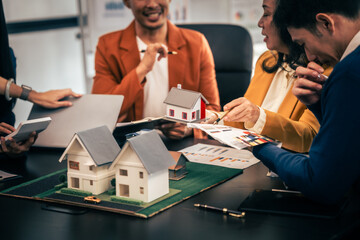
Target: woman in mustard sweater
268, 106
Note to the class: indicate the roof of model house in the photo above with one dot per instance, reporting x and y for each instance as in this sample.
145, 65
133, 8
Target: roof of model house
183, 98
99, 143
179, 160
151, 151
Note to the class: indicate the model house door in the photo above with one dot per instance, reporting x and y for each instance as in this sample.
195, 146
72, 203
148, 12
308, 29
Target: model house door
124, 190
74, 182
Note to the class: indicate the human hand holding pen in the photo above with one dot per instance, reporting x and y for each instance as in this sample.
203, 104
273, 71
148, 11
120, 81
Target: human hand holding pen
221, 116
241, 110
307, 87
148, 61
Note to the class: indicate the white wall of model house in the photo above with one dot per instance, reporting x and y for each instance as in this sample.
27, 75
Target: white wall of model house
133, 180
178, 112
83, 173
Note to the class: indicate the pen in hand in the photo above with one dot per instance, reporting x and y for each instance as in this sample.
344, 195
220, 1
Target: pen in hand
170, 52
223, 210
221, 117
324, 76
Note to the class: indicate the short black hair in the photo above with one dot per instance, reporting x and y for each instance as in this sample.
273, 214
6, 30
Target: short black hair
302, 13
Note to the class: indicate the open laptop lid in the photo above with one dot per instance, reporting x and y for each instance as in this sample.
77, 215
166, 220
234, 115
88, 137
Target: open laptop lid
88, 111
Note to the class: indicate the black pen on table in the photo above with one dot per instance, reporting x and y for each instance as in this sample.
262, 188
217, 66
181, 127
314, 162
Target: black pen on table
170, 52
223, 210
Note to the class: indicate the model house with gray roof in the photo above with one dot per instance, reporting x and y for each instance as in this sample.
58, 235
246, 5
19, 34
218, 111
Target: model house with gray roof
141, 168
177, 171
185, 105
89, 155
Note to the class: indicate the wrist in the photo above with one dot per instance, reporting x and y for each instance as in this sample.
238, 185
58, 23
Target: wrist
7, 89
26, 90
141, 71
256, 115
32, 97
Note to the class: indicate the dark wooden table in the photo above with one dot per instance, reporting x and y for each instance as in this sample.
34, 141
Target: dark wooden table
26, 219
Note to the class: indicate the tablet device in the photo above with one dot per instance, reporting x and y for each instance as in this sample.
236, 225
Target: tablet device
125, 128
88, 111
288, 203
27, 127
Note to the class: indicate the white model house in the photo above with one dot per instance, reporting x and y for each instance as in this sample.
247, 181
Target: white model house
141, 168
89, 155
185, 105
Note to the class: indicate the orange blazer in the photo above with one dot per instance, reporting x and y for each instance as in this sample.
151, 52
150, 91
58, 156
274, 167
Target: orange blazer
117, 56
294, 125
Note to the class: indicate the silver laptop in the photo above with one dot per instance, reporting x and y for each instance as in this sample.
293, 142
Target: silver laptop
88, 111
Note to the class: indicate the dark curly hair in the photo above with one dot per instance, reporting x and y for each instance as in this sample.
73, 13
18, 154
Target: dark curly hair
296, 56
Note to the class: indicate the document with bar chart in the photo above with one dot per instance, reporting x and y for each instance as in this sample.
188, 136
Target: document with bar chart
219, 156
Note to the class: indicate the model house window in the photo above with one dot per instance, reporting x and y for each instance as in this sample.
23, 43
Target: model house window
171, 112
91, 168
193, 115
184, 115
74, 165
91, 182
75, 183
141, 175
124, 190
123, 172
141, 190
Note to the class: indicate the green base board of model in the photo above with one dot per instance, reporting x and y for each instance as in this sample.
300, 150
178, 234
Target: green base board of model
199, 178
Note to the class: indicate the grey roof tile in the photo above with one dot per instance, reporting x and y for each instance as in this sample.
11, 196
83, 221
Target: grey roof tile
152, 152
100, 144
183, 98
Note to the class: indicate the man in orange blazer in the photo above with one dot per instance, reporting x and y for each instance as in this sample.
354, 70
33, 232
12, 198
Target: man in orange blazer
134, 62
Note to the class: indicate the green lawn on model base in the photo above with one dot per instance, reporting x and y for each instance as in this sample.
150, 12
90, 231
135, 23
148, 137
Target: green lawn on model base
199, 178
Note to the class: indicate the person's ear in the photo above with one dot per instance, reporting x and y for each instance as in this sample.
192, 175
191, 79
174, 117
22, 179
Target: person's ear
325, 22
127, 3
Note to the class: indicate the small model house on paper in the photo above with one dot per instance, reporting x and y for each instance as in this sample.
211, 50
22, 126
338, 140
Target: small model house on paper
185, 105
88, 156
141, 168
178, 170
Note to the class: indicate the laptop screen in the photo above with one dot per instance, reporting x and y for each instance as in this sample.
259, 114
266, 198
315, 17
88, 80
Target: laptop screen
88, 111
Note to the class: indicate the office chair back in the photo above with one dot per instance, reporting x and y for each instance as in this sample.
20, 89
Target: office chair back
232, 48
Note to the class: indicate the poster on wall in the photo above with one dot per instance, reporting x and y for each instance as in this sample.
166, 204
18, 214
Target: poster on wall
179, 11
247, 13
111, 14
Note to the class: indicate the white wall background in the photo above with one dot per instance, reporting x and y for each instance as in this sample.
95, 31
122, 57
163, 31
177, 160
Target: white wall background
45, 59
54, 59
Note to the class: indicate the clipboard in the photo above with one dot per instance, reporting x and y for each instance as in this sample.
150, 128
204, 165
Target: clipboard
289, 203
